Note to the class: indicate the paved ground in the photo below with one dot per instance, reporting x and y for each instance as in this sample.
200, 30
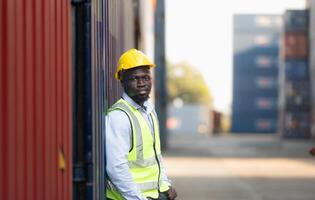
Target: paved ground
241, 167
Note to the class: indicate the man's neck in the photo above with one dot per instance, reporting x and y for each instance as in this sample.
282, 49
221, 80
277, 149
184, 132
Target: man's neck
137, 101
140, 103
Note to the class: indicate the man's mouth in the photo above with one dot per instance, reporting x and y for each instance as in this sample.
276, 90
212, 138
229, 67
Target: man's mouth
143, 92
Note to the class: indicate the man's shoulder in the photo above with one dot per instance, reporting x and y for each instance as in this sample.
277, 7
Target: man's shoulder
116, 106
117, 118
116, 113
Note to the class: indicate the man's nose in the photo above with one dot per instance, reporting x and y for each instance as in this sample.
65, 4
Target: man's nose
141, 82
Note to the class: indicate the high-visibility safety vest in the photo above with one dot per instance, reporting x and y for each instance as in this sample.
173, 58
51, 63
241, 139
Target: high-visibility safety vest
144, 156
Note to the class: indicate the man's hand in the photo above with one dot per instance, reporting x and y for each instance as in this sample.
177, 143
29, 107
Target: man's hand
172, 194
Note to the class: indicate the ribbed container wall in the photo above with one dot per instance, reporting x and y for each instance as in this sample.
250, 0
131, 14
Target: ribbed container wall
120, 36
113, 30
98, 99
294, 112
35, 103
121, 33
312, 62
255, 73
103, 30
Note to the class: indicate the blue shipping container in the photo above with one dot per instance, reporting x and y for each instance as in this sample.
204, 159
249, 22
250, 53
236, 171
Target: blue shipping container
256, 62
249, 83
251, 114
296, 69
296, 20
297, 88
248, 124
257, 23
296, 125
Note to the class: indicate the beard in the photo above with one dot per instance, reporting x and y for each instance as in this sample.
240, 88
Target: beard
138, 95
140, 99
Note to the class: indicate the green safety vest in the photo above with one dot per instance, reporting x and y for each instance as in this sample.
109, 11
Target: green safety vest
145, 155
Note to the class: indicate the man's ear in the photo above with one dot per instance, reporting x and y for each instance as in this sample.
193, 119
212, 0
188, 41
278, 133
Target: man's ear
121, 75
122, 80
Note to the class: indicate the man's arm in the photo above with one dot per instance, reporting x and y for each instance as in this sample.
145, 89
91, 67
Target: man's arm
172, 194
118, 144
164, 177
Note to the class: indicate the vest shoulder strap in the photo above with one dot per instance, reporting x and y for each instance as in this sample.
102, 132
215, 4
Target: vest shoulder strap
136, 135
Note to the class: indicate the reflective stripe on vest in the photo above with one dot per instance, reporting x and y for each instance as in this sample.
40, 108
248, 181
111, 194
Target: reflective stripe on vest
147, 186
139, 161
142, 186
139, 146
143, 163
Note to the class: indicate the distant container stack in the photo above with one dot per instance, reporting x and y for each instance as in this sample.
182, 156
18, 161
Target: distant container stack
294, 90
255, 75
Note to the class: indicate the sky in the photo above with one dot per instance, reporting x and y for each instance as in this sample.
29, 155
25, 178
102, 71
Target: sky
199, 32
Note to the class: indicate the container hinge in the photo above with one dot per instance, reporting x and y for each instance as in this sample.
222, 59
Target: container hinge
78, 173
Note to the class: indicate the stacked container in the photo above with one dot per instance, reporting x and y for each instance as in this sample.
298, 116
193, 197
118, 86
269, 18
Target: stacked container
294, 76
255, 76
311, 6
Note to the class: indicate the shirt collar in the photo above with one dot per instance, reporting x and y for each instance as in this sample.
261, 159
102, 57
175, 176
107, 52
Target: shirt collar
148, 106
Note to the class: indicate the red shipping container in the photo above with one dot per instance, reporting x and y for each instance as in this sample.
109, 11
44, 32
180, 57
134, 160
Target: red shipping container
295, 46
217, 121
35, 103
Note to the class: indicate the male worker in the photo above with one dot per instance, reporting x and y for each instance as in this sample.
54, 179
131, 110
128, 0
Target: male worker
134, 163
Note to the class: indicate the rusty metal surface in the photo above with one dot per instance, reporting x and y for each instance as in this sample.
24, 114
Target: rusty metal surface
35, 104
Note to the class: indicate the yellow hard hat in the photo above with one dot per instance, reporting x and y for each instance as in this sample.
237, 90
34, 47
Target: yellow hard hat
131, 59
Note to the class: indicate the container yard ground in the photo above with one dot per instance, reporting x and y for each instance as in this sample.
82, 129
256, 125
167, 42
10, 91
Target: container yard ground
241, 167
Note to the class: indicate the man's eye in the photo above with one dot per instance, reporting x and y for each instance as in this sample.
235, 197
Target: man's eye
147, 78
142, 78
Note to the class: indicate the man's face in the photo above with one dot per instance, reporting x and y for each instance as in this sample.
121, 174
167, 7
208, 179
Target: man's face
137, 83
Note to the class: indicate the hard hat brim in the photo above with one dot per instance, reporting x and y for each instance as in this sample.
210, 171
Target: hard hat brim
119, 77
131, 59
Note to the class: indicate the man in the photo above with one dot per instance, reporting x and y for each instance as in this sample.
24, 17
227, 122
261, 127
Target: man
133, 157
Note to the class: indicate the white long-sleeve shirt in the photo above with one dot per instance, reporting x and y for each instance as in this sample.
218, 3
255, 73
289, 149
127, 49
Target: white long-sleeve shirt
118, 143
